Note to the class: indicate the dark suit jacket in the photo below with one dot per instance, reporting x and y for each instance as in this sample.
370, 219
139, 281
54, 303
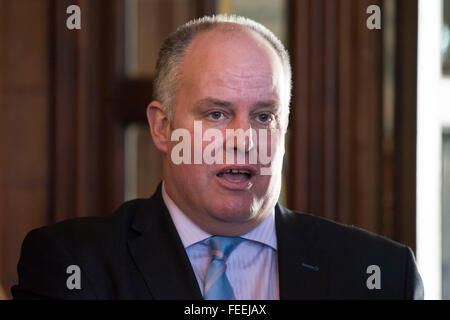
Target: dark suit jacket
136, 253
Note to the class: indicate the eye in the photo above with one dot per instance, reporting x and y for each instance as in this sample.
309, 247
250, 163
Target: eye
216, 115
264, 117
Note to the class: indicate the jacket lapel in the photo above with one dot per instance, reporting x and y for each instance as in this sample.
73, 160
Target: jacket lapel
303, 266
159, 253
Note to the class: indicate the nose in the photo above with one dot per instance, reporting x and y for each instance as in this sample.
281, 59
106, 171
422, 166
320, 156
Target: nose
239, 134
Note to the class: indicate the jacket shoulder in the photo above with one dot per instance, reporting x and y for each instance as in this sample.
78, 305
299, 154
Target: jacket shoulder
351, 253
335, 233
89, 243
92, 229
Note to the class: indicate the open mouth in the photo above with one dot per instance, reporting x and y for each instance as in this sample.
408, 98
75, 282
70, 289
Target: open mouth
236, 174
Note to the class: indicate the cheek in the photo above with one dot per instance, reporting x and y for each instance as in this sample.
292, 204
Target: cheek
271, 144
193, 179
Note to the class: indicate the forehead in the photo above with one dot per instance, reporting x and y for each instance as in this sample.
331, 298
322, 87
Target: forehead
237, 61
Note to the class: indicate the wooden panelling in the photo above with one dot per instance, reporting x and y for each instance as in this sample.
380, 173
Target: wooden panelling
330, 111
367, 108
406, 121
131, 98
340, 168
344, 119
315, 120
24, 123
87, 138
299, 115
25, 34
3, 295
205, 7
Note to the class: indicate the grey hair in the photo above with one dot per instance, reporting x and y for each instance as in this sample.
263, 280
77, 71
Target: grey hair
170, 56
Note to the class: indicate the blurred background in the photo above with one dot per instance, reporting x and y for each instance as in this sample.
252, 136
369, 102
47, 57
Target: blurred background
369, 136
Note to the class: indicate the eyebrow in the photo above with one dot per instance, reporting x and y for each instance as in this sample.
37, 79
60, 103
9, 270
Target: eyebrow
227, 104
267, 104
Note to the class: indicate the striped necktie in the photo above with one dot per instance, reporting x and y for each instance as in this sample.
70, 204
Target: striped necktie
217, 286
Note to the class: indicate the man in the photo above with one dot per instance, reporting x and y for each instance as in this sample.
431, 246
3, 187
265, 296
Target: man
213, 229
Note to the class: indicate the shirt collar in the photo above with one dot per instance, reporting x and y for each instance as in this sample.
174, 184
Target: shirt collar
191, 234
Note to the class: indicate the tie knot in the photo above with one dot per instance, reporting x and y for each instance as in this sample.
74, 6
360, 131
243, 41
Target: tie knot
223, 246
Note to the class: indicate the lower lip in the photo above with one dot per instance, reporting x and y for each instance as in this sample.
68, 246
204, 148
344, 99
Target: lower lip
236, 185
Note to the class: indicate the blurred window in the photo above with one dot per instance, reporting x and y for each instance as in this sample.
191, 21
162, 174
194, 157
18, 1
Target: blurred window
143, 163
147, 24
446, 216
270, 13
445, 56
445, 38
433, 147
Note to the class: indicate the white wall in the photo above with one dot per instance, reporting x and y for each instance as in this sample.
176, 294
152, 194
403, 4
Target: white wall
433, 103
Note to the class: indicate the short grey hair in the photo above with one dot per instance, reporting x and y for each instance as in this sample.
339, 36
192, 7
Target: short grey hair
168, 77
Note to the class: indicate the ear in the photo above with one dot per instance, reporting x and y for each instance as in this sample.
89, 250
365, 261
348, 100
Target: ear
159, 125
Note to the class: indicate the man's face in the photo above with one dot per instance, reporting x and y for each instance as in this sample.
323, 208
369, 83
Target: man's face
230, 80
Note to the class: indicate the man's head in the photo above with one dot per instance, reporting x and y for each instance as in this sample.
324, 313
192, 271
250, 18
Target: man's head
226, 73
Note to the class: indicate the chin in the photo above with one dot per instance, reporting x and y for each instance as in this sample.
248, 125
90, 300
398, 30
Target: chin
235, 211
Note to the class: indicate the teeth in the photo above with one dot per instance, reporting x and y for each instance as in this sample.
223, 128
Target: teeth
235, 171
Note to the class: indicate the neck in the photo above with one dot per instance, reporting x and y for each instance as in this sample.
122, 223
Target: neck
209, 223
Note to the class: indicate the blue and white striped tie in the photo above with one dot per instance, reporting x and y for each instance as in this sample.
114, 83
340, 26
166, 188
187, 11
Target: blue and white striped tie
217, 286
